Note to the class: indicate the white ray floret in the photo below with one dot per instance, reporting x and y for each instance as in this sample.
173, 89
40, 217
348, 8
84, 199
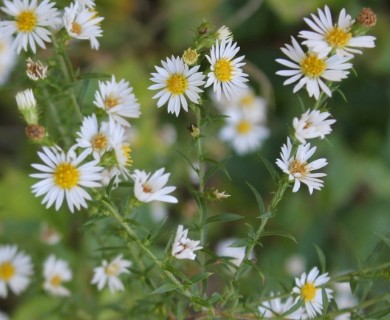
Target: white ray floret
183, 247
8, 58
55, 273
276, 307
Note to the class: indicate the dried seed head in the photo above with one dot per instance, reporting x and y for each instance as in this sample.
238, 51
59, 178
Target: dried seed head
35, 132
190, 56
367, 18
36, 70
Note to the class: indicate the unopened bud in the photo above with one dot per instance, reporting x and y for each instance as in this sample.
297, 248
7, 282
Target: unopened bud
190, 56
36, 70
367, 18
217, 195
27, 106
194, 131
35, 132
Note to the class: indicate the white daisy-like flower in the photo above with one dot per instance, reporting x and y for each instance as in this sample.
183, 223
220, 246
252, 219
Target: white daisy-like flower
224, 249
177, 82
117, 99
55, 272
226, 74
15, 270
31, 24
344, 299
312, 68
108, 274
183, 247
224, 33
63, 176
83, 23
87, 3
328, 36
299, 169
4, 316
244, 134
309, 289
276, 307
312, 124
121, 150
149, 187
8, 58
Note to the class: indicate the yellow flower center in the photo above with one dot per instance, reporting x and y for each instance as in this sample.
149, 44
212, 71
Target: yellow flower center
298, 167
312, 66
111, 102
177, 84
307, 125
7, 271
76, 28
66, 176
244, 127
223, 70
26, 21
112, 269
338, 38
126, 151
56, 281
147, 188
99, 142
247, 100
308, 292
190, 56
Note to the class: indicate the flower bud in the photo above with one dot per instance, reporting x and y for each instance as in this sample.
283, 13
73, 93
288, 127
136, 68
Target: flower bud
194, 131
35, 132
190, 56
27, 106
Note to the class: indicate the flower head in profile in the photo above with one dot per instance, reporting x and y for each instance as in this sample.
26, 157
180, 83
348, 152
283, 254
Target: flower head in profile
328, 36
55, 273
224, 33
311, 69
312, 124
108, 274
224, 249
118, 100
299, 169
276, 307
27, 106
15, 270
83, 23
149, 187
63, 176
183, 247
8, 58
31, 23
177, 83
226, 74
309, 289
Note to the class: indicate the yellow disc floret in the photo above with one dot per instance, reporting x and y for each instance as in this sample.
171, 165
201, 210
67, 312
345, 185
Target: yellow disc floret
308, 292
312, 66
338, 38
111, 102
177, 84
223, 70
244, 126
66, 176
56, 280
26, 21
298, 167
99, 142
7, 271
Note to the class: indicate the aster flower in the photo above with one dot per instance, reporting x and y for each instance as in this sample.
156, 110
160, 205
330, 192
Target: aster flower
31, 24
117, 99
312, 68
309, 289
15, 270
328, 36
55, 272
87, 3
177, 82
27, 106
224, 33
276, 307
312, 124
224, 249
108, 274
83, 23
244, 134
344, 299
4, 316
183, 247
299, 169
226, 74
63, 176
149, 187
8, 58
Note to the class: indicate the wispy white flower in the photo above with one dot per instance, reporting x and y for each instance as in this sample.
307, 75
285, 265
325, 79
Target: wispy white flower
55, 272
63, 176
177, 82
224, 249
108, 274
328, 36
299, 169
8, 58
183, 247
276, 307
15, 270
31, 23
49, 235
224, 33
83, 23
117, 99
149, 187
312, 124
309, 289
226, 74
311, 69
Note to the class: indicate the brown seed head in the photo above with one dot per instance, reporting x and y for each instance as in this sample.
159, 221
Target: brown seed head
367, 18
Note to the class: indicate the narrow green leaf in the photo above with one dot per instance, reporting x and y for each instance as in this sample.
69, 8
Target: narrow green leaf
218, 165
156, 229
200, 277
188, 160
279, 234
270, 167
93, 220
164, 288
321, 258
223, 217
259, 199
325, 301
240, 243
257, 269
385, 239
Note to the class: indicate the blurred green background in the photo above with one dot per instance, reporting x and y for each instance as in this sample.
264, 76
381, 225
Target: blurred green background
346, 219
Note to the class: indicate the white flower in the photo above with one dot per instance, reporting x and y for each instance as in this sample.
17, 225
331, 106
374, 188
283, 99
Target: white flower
49, 235
237, 254
244, 134
311, 68
32, 23
224, 33
64, 177
344, 299
117, 99
121, 149
275, 307
108, 273
152, 188
183, 248
225, 74
309, 290
87, 3
177, 82
4, 316
8, 58
15, 270
295, 264
55, 272
312, 124
327, 36
299, 169
27, 106
82, 23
